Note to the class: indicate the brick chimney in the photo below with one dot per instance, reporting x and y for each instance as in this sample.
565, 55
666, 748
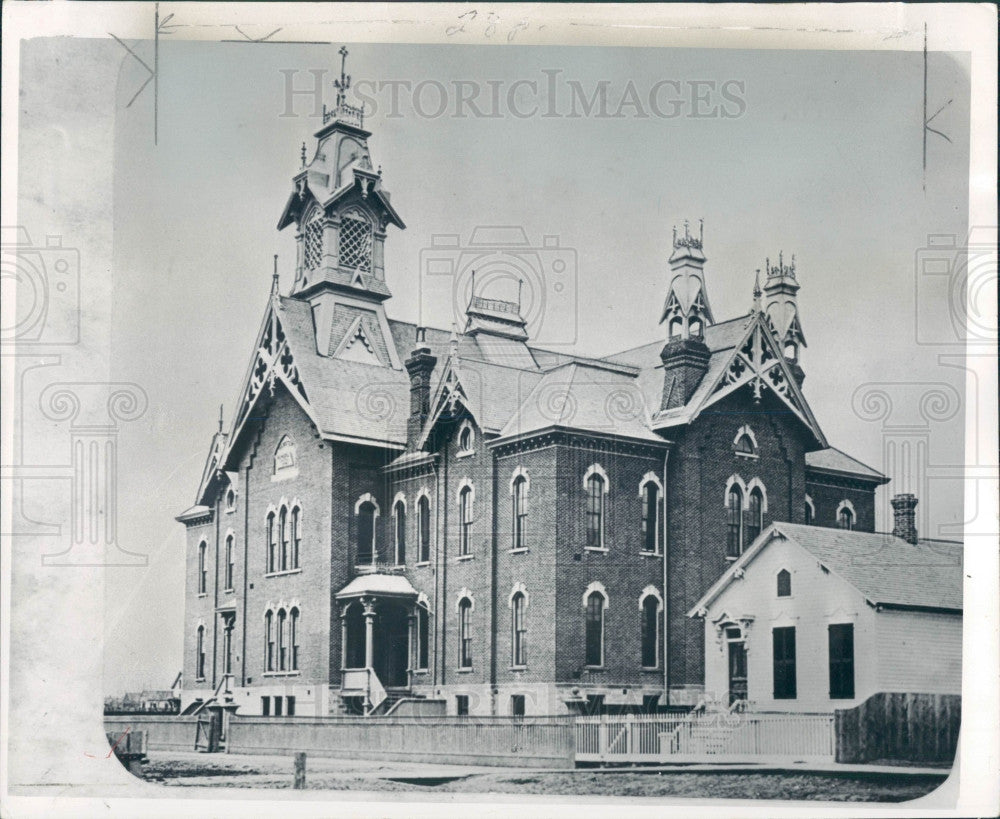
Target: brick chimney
685, 362
419, 365
904, 518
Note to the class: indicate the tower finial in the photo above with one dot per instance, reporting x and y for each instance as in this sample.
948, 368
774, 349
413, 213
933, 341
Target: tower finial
520, 284
701, 231
756, 292
220, 418
472, 297
303, 154
345, 80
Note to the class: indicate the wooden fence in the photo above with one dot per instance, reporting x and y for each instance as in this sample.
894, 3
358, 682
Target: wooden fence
723, 737
900, 728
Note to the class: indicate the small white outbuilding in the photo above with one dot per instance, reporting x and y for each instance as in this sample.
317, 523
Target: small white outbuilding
816, 619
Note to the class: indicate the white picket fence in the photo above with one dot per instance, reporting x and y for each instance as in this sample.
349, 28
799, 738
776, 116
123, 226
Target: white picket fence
710, 737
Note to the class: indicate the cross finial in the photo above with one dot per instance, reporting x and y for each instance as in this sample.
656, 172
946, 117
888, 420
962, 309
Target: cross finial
701, 231
303, 154
472, 298
220, 417
756, 291
345, 80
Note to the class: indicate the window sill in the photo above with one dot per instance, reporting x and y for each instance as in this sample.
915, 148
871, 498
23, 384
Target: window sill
649, 669
748, 455
461, 558
594, 668
282, 573
203, 594
199, 679
281, 674
732, 558
421, 671
230, 511
596, 549
468, 453
518, 668
421, 564
228, 591
463, 670
644, 553
519, 550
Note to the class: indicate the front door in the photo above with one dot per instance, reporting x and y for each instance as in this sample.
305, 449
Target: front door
392, 645
737, 671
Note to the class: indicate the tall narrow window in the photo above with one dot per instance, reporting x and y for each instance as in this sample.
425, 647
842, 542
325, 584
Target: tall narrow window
199, 655
810, 511
312, 240
595, 629
465, 520
783, 640
520, 497
465, 633
366, 533
282, 640
283, 534
595, 512
293, 639
841, 642
519, 630
203, 568
423, 637
230, 562
845, 518
784, 583
296, 536
424, 525
734, 521
650, 632
229, 623
269, 641
399, 515
271, 542
650, 517
756, 521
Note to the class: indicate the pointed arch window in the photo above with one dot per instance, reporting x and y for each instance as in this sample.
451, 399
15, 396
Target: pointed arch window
595, 629
465, 633
784, 583
283, 536
203, 568
199, 656
845, 515
465, 504
296, 536
399, 518
810, 511
424, 528
595, 487
756, 517
282, 640
519, 630
312, 240
519, 491
423, 637
650, 516
734, 521
293, 639
366, 533
269, 642
272, 547
650, 631
230, 562
356, 241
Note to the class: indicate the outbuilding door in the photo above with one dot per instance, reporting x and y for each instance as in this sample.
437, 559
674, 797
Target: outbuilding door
737, 671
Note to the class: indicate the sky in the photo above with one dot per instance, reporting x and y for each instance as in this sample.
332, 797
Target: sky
820, 155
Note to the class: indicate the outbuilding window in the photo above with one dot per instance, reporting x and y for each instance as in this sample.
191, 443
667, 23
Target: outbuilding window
783, 640
841, 643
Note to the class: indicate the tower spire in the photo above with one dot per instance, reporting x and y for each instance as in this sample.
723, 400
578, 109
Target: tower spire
756, 292
781, 304
686, 310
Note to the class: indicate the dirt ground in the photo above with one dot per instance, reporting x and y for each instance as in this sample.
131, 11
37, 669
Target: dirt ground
327, 774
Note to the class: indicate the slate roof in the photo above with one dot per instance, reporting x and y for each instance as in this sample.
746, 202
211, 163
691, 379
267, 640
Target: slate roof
886, 569
392, 584
834, 460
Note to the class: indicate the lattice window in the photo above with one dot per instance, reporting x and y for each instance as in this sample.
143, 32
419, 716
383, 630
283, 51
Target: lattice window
356, 242
313, 241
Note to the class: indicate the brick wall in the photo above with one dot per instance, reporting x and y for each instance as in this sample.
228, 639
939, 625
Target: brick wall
827, 493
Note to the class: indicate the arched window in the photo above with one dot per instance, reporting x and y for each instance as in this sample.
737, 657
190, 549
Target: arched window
520, 506
282, 640
519, 630
734, 521
465, 520
293, 620
366, 532
744, 446
296, 536
791, 350
595, 512
203, 568
756, 521
423, 637
424, 528
283, 534
466, 438
595, 629
676, 327
230, 562
650, 517
845, 518
784, 583
230, 500
355, 241
312, 240
694, 328
269, 642
199, 655
272, 536
650, 631
399, 517
810, 511
465, 633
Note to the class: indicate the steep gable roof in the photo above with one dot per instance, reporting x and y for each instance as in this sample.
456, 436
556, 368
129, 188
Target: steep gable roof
837, 461
887, 570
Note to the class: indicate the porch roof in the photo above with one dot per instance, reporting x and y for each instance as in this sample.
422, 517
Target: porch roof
394, 585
